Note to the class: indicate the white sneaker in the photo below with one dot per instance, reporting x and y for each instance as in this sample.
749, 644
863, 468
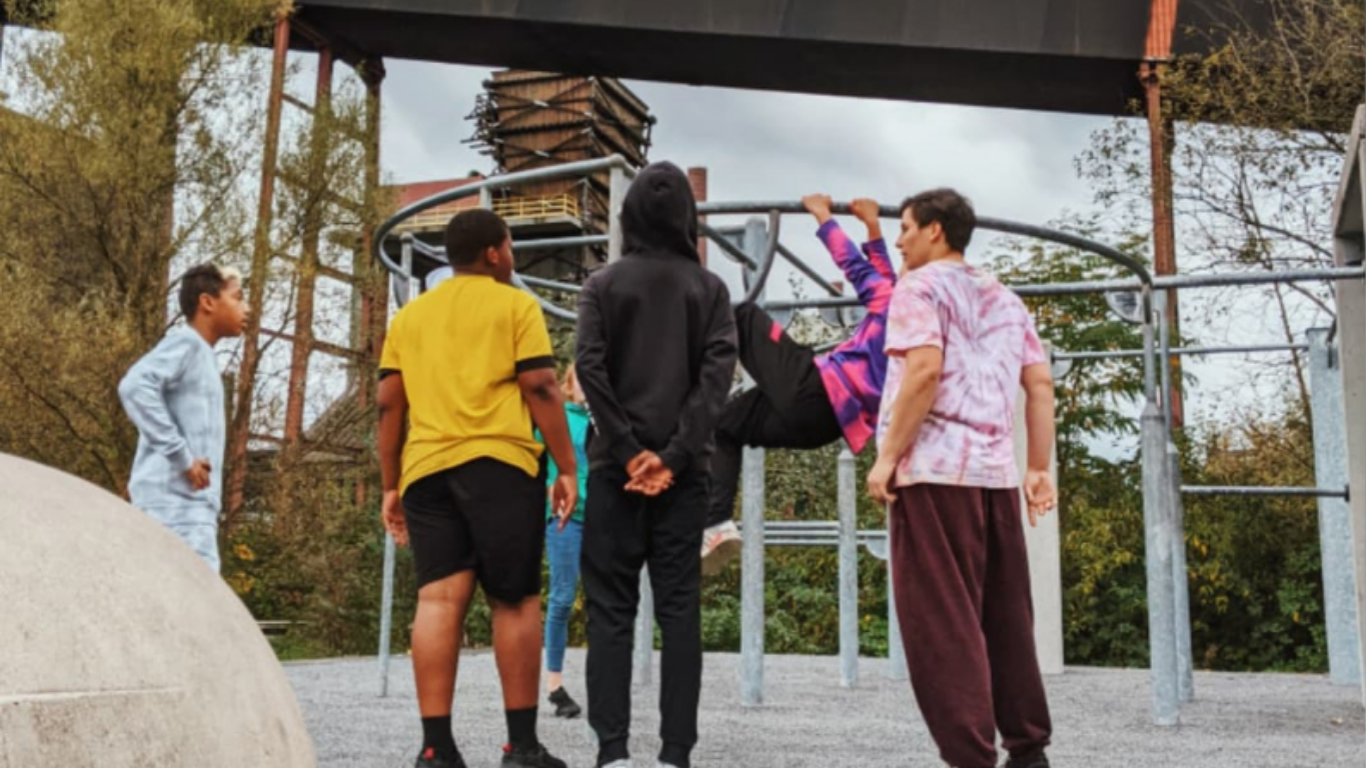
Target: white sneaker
618, 764
721, 543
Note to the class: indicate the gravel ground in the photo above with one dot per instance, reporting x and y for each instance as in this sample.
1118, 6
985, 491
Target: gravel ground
1100, 718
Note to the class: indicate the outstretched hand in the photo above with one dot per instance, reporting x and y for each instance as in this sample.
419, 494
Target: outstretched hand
865, 209
818, 205
649, 475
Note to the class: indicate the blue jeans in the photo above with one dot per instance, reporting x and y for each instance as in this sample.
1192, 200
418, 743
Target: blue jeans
562, 548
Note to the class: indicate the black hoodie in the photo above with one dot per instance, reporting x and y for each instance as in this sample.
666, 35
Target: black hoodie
656, 336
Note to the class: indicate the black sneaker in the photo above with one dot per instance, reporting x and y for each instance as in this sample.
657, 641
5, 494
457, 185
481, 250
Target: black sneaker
428, 759
1035, 761
564, 705
530, 757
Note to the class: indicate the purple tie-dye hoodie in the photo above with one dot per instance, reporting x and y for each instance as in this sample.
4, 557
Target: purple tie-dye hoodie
854, 371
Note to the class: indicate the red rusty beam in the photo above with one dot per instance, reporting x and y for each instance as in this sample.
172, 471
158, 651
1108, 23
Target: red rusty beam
335, 350
240, 429
374, 297
308, 263
1161, 144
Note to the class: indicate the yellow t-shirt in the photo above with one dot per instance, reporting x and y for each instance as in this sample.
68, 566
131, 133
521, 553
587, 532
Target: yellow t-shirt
459, 348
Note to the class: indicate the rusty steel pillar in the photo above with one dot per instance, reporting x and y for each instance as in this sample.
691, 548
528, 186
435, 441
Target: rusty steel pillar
240, 430
307, 273
373, 281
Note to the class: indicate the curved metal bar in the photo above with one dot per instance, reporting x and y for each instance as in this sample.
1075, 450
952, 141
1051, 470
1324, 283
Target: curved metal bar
550, 308
996, 225
800, 264
493, 182
730, 249
766, 266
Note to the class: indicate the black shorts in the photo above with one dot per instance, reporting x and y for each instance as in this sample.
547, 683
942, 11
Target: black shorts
484, 516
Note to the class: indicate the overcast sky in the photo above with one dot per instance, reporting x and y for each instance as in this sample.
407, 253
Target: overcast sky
764, 145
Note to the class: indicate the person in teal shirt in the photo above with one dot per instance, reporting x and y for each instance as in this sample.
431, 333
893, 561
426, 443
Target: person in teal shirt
563, 546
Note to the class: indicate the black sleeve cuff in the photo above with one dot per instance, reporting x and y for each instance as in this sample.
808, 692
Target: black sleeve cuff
385, 373
535, 363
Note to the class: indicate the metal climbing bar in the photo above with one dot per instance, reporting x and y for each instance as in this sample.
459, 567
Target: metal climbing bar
614, 163
998, 225
1265, 490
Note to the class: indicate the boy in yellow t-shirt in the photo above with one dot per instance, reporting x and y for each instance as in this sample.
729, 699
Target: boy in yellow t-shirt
466, 375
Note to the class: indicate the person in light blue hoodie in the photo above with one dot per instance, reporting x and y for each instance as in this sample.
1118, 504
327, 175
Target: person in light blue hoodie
563, 546
174, 396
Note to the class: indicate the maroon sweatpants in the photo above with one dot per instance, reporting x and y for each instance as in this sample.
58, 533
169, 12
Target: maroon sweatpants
967, 620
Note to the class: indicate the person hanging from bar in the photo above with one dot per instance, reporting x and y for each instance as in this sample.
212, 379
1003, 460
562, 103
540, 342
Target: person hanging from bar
655, 357
960, 346
801, 399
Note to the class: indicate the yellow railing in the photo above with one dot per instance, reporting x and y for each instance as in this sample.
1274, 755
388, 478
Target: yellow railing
434, 219
511, 209
515, 208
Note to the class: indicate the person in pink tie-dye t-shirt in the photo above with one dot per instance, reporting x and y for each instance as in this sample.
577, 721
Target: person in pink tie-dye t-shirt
959, 348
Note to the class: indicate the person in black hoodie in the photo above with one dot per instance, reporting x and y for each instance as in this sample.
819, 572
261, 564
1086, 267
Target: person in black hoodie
655, 358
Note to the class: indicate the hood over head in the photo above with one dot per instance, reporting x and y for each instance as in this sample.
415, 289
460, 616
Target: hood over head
659, 215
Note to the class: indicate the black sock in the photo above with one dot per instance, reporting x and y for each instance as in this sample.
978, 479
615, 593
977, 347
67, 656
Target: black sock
436, 736
522, 727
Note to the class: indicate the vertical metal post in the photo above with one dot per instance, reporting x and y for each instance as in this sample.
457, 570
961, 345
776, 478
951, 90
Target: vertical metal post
1158, 557
1185, 661
644, 648
1043, 542
1185, 664
617, 185
1349, 249
848, 517
896, 648
486, 198
386, 614
1335, 521
752, 579
1149, 380
406, 289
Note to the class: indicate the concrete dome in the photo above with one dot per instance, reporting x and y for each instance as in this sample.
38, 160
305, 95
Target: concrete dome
120, 648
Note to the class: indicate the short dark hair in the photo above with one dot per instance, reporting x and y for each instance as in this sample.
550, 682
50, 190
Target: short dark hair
470, 233
953, 212
201, 279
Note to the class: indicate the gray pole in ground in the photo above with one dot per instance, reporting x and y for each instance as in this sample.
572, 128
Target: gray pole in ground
1158, 556
405, 287
896, 651
1185, 664
1335, 520
752, 580
643, 654
848, 516
1349, 249
617, 184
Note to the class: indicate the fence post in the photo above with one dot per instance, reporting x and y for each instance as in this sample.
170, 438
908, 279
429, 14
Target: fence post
848, 517
1157, 525
1335, 522
1044, 545
752, 580
896, 650
644, 647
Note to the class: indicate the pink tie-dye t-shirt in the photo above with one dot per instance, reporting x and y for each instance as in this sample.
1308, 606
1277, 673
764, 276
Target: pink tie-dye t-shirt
988, 338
